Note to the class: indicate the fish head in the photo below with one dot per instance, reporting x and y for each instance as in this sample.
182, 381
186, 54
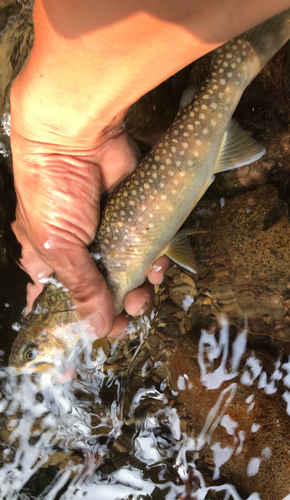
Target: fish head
46, 346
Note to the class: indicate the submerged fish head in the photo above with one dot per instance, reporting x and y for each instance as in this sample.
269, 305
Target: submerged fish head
45, 347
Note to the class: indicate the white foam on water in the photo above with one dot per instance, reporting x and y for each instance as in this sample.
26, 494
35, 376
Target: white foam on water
286, 397
220, 457
187, 302
255, 428
286, 379
210, 350
229, 424
253, 466
252, 370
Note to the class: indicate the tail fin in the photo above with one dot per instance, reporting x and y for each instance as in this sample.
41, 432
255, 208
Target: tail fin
268, 37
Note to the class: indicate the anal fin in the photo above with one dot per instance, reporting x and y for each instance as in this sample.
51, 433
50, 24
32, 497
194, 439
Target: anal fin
179, 249
238, 149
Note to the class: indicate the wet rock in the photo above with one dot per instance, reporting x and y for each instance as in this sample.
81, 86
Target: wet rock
242, 260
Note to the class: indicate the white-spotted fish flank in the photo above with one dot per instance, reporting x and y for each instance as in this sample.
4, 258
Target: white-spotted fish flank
165, 174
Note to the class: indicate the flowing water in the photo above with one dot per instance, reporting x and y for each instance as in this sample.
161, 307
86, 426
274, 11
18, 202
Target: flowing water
196, 404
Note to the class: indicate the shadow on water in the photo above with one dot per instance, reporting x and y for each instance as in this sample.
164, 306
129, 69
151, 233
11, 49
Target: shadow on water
196, 404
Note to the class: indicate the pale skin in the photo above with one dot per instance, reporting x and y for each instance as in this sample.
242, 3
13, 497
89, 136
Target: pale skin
90, 61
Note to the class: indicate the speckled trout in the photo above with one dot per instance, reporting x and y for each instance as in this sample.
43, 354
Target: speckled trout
141, 218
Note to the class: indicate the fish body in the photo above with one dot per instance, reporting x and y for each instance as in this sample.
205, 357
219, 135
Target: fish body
141, 218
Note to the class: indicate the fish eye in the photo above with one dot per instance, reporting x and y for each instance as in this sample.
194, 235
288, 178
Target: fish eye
29, 352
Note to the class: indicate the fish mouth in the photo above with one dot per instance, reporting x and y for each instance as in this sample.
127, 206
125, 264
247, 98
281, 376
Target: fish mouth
40, 366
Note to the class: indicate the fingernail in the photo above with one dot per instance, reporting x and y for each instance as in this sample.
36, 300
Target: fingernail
97, 325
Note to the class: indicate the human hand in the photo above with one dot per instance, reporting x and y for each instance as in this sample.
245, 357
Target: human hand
57, 216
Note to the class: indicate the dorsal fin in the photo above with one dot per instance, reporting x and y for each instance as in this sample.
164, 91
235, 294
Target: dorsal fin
238, 149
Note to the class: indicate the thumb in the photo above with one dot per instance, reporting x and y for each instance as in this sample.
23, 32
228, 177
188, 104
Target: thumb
77, 271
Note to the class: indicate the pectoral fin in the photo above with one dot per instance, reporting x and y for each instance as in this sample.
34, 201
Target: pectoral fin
237, 149
179, 249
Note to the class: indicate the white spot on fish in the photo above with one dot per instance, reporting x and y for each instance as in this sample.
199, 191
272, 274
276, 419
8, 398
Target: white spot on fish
201, 116
163, 197
198, 142
168, 161
161, 185
196, 154
213, 105
173, 149
191, 114
229, 74
205, 96
162, 167
132, 203
223, 82
204, 106
190, 163
175, 182
133, 193
178, 163
176, 132
186, 134
146, 185
229, 55
205, 131
213, 123
156, 158
190, 126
